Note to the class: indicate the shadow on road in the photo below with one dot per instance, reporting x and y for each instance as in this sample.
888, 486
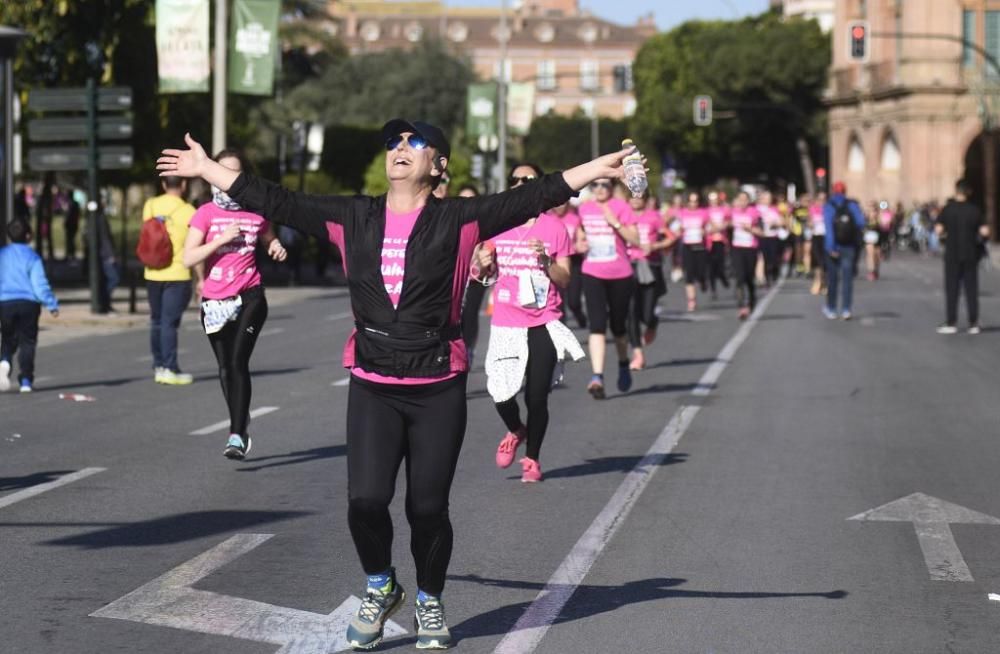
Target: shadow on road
588, 601
293, 458
605, 464
17, 483
682, 362
173, 529
783, 316
121, 381
655, 388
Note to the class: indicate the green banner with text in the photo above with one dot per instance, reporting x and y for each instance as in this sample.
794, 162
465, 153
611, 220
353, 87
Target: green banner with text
481, 111
253, 46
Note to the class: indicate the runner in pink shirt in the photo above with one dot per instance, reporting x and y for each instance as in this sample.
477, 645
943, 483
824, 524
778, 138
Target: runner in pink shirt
527, 337
647, 262
718, 217
747, 230
694, 231
224, 238
770, 243
817, 255
608, 283
572, 295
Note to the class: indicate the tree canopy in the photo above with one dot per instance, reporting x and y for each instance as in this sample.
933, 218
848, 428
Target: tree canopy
766, 73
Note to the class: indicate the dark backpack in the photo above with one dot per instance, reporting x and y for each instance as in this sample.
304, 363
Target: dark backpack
154, 248
845, 231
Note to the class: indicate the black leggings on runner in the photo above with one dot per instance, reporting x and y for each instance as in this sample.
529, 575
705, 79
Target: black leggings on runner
608, 301
538, 383
644, 306
770, 247
233, 345
571, 295
423, 425
717, 264
474, 294
745, 271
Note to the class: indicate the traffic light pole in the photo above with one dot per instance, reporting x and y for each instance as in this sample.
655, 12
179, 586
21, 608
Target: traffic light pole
93, 205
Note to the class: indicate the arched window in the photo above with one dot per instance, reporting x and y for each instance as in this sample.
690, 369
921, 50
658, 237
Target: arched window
892, 159
855, 156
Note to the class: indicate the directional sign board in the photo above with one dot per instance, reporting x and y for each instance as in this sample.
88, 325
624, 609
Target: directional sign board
75, 129
75, 158
115, 98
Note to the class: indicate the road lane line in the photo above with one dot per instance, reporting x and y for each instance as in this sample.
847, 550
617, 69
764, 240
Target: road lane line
222, 424
340, 316
534, 623
342, 382
13, 498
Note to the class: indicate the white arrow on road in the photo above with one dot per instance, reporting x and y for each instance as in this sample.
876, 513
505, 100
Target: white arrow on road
931, 518
170, 601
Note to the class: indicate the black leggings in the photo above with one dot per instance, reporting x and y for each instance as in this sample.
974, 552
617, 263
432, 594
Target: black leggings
745, 271
538, 383
696, 267
474, 294
571, 295
770, 246
423, 425
717, 264
644, 306
608, 300
233, 345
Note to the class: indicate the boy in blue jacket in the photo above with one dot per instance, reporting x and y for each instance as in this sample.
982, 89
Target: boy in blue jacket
23, 290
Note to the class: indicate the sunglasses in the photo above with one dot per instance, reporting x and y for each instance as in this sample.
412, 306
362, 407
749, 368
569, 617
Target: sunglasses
601, 185
415, 141
514, 181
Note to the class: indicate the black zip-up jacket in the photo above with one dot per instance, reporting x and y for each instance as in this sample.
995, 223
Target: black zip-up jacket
414, 338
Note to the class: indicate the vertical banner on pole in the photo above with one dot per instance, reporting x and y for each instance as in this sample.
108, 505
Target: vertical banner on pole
182, 45
520, 107
481, 110
253, 46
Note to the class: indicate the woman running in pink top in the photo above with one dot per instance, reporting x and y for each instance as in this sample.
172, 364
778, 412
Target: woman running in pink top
718, 243
694, 229
224, 237
647, 262
747, 231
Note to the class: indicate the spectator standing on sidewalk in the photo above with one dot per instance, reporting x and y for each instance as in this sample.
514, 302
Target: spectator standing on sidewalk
24, 288
169, 289
961, 226
844, 222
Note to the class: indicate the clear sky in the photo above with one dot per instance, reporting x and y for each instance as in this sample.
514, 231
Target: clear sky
667, 12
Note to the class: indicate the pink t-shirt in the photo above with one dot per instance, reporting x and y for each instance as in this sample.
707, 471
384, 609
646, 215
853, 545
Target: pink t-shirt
885, 220
606, 256
693, 224
771, 219
743, 221
817, 220
232, 268
398, 227
515, 258
719, 218
571, 221
650, 226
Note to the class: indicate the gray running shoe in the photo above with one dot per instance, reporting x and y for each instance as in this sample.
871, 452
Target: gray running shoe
365, 630
428, 620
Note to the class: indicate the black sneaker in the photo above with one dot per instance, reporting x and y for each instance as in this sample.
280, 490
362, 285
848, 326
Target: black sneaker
237, 447
368, 625
428, 620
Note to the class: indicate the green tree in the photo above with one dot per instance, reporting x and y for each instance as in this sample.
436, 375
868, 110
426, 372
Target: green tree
768, 74
559, 142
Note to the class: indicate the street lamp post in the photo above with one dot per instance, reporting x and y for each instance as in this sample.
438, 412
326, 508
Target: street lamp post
9, 40
502, 100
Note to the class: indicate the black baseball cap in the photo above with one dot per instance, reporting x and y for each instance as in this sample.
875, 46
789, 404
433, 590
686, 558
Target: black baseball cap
433, 134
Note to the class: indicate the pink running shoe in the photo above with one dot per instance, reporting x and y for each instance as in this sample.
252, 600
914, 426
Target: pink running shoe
508, 447
530, 471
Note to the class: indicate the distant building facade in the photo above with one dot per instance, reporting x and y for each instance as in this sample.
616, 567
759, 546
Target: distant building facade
569, 55
908, 123
819, 10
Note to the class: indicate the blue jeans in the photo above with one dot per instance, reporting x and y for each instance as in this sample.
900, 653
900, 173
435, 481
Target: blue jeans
840, 269
167, 302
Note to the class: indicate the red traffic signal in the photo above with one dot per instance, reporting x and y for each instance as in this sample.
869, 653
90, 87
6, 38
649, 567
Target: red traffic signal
703, 110
858, 34
821, 173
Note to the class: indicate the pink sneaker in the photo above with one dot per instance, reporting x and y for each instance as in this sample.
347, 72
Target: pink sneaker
530, 471
508, 447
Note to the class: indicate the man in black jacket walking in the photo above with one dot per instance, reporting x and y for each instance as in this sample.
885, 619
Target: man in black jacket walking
961, 225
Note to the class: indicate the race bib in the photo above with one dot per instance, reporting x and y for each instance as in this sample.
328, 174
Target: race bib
742, 238
871, 237
692, 236
216, 313
532, 288
783, 234
602, 248
540, 283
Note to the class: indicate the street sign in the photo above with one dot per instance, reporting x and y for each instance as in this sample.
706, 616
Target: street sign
75, 158
75, 129
931, 519
703, 110
114, 98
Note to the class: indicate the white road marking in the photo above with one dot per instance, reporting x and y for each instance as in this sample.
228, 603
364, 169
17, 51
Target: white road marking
170, 601
340, 316
529, 630
272, 330
342, 382
13, 498
993, 597
222, 424
931, 518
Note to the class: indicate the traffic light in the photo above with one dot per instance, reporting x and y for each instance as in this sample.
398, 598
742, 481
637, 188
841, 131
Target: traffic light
703, 110
857, 38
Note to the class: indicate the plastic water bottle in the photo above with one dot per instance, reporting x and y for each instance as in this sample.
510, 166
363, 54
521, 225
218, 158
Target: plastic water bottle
635, 171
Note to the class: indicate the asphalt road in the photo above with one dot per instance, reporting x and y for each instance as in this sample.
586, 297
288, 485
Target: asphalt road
708, 510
